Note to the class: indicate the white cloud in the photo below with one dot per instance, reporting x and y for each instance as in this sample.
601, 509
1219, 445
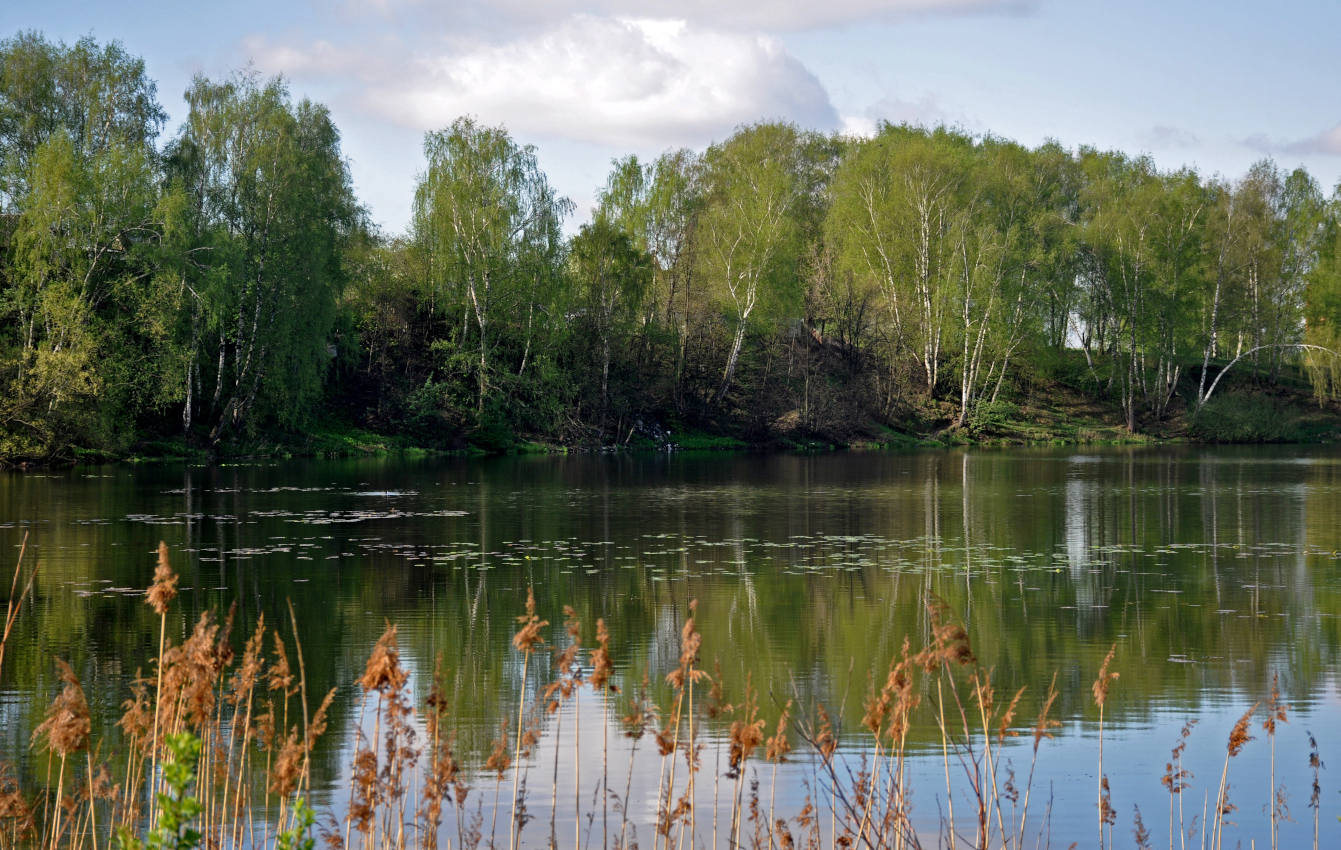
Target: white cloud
924, 111
1326, 143
615, 81
769, 15
318, 58
765, 15
585, 90
1167, 136
859, 126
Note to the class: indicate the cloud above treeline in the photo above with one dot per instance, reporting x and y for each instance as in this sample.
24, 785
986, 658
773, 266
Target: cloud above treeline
618, 81
755, 15
1324, 143
612, 72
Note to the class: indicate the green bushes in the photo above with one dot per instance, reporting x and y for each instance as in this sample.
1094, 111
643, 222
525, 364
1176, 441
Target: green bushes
989, 416
1242, 418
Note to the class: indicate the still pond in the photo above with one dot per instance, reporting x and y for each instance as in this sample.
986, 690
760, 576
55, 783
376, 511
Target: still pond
1212, 571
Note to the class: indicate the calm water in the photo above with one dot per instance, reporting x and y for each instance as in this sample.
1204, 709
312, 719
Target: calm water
1211, 570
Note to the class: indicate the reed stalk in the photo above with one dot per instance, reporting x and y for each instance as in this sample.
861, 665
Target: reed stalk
1175, 780
601, 670
1100, 691
746, 735
777, 749
691, 765
1042, 729
14, 603
92, 802
1315, 800
635, 723
160, 594
1238, 736
572, 683
1276, 712
525, 640
685, 674
191, 690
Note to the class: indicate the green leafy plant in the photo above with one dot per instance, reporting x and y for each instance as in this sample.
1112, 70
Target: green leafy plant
299, 837
989, 416
178, 807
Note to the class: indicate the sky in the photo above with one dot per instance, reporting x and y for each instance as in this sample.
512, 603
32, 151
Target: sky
1210, 84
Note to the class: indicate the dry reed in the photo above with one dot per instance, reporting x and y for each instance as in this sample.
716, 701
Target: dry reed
407, 779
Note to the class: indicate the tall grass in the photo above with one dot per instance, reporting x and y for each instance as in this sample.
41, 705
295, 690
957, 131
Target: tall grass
216, 753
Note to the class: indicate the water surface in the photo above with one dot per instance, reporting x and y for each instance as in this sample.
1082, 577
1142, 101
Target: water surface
1213, 571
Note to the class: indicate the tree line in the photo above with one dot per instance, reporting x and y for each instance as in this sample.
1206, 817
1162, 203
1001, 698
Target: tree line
222, 282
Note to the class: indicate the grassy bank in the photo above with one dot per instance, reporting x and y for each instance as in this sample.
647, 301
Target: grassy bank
1043, 413
1062, 407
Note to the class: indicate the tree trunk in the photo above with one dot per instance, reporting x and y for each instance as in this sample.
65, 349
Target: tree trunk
730, 373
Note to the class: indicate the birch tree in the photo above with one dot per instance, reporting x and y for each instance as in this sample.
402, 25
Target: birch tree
896, 198
747, 235
269, 210
611, 277
489, 219
1002, 264
86, 334
1322, 304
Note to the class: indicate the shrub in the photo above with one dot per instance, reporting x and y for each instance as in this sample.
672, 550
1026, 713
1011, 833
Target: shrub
988, 416
1244, 418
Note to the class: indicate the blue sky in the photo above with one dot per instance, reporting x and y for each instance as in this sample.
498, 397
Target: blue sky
1212, 85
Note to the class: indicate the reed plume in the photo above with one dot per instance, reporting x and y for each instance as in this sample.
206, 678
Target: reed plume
398, 799
1100, 692
63, 732
682, 679
1238, 737
14, 808
1276, 712
747, 733
601, 670
444, 772
380, 770
526, 640
1176, 777
161, 592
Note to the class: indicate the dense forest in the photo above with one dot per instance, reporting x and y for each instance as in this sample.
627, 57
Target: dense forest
218, 286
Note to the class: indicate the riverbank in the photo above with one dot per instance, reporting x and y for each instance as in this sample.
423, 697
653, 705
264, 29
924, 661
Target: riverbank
1050, 413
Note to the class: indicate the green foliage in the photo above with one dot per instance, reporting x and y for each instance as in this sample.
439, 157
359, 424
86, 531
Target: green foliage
100, 96
177, 807
694, 441
84, 347
268, 212
1322, 305
610, 278
215, 293
486, 227
299, 836
1245, 418
750, 237
992, 416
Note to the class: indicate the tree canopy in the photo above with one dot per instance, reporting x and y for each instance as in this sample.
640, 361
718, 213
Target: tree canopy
221, 285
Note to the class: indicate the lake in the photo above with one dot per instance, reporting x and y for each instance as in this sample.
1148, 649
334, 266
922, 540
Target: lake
1213, 571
